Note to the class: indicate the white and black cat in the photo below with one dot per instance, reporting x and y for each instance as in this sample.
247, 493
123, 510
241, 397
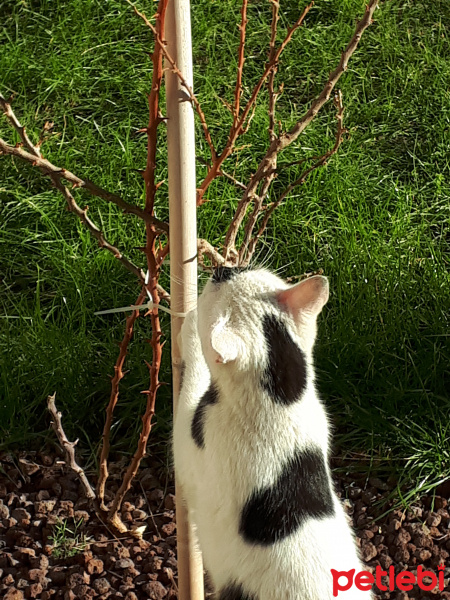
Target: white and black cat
251, 442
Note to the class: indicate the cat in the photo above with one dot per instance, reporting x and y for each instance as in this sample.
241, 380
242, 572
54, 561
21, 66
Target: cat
251, 441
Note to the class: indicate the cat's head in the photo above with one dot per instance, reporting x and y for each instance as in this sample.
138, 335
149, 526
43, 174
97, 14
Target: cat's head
236, 305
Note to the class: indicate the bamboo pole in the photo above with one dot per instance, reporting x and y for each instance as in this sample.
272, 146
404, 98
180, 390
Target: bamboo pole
183, 246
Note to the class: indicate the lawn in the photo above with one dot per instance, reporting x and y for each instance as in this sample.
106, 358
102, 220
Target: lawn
376, 219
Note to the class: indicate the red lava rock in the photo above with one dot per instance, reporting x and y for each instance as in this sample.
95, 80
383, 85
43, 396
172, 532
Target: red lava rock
13, 594
126, 587
122, 552
153, 565
368, 551
83, 591
101, 585
22, 516
169, 502
145, 569
423, 541
8, 580
169, 528
403, 537
440, 502
172, 563
394, 525
37, 575
402, 555
157, 496
42, 495
95, 566
44, 507
57, 575
155, 590
69, 495
99, 547
433, 520
172, 541
366, 534
124, 563
57, 489
78, 578
386, 561
24, 554
4, 511
82, 514
9, 523
34, 591
165, 575
148, 480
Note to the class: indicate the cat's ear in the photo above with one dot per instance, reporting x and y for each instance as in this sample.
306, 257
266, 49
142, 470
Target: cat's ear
306, 298
225, 343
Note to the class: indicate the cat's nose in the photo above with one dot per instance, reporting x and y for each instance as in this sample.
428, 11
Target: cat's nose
222, 274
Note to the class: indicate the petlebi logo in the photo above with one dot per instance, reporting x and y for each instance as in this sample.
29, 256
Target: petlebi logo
403, 581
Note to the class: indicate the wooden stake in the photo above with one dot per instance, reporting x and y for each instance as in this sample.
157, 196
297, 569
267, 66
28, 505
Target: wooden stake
183, 244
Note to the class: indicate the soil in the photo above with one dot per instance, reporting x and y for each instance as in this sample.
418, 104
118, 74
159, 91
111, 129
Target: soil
39, 497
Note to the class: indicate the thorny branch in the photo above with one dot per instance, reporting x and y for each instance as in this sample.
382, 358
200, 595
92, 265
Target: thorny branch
68, 447
268, 165
239, 127
193, 98
250, 246
155, 256
114, 397
34, 156
48, 168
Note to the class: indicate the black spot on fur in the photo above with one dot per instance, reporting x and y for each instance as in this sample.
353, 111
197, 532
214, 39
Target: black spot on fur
302, 492
285, 375
197, 425
235, 592
222, 274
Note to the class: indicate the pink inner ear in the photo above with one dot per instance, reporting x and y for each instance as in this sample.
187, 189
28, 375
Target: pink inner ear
309, 295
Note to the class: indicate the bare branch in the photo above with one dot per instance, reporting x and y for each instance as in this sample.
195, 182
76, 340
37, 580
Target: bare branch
248, 249
50, 169
204, 248
34, 157
269, 162
68, 448
239, 128
290, 136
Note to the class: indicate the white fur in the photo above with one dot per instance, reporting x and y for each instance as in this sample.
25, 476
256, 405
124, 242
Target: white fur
248, 438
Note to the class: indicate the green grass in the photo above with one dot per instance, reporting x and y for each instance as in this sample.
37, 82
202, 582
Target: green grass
375, 220
68, 540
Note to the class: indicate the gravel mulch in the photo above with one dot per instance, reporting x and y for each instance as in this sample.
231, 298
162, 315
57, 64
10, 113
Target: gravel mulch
39, 497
